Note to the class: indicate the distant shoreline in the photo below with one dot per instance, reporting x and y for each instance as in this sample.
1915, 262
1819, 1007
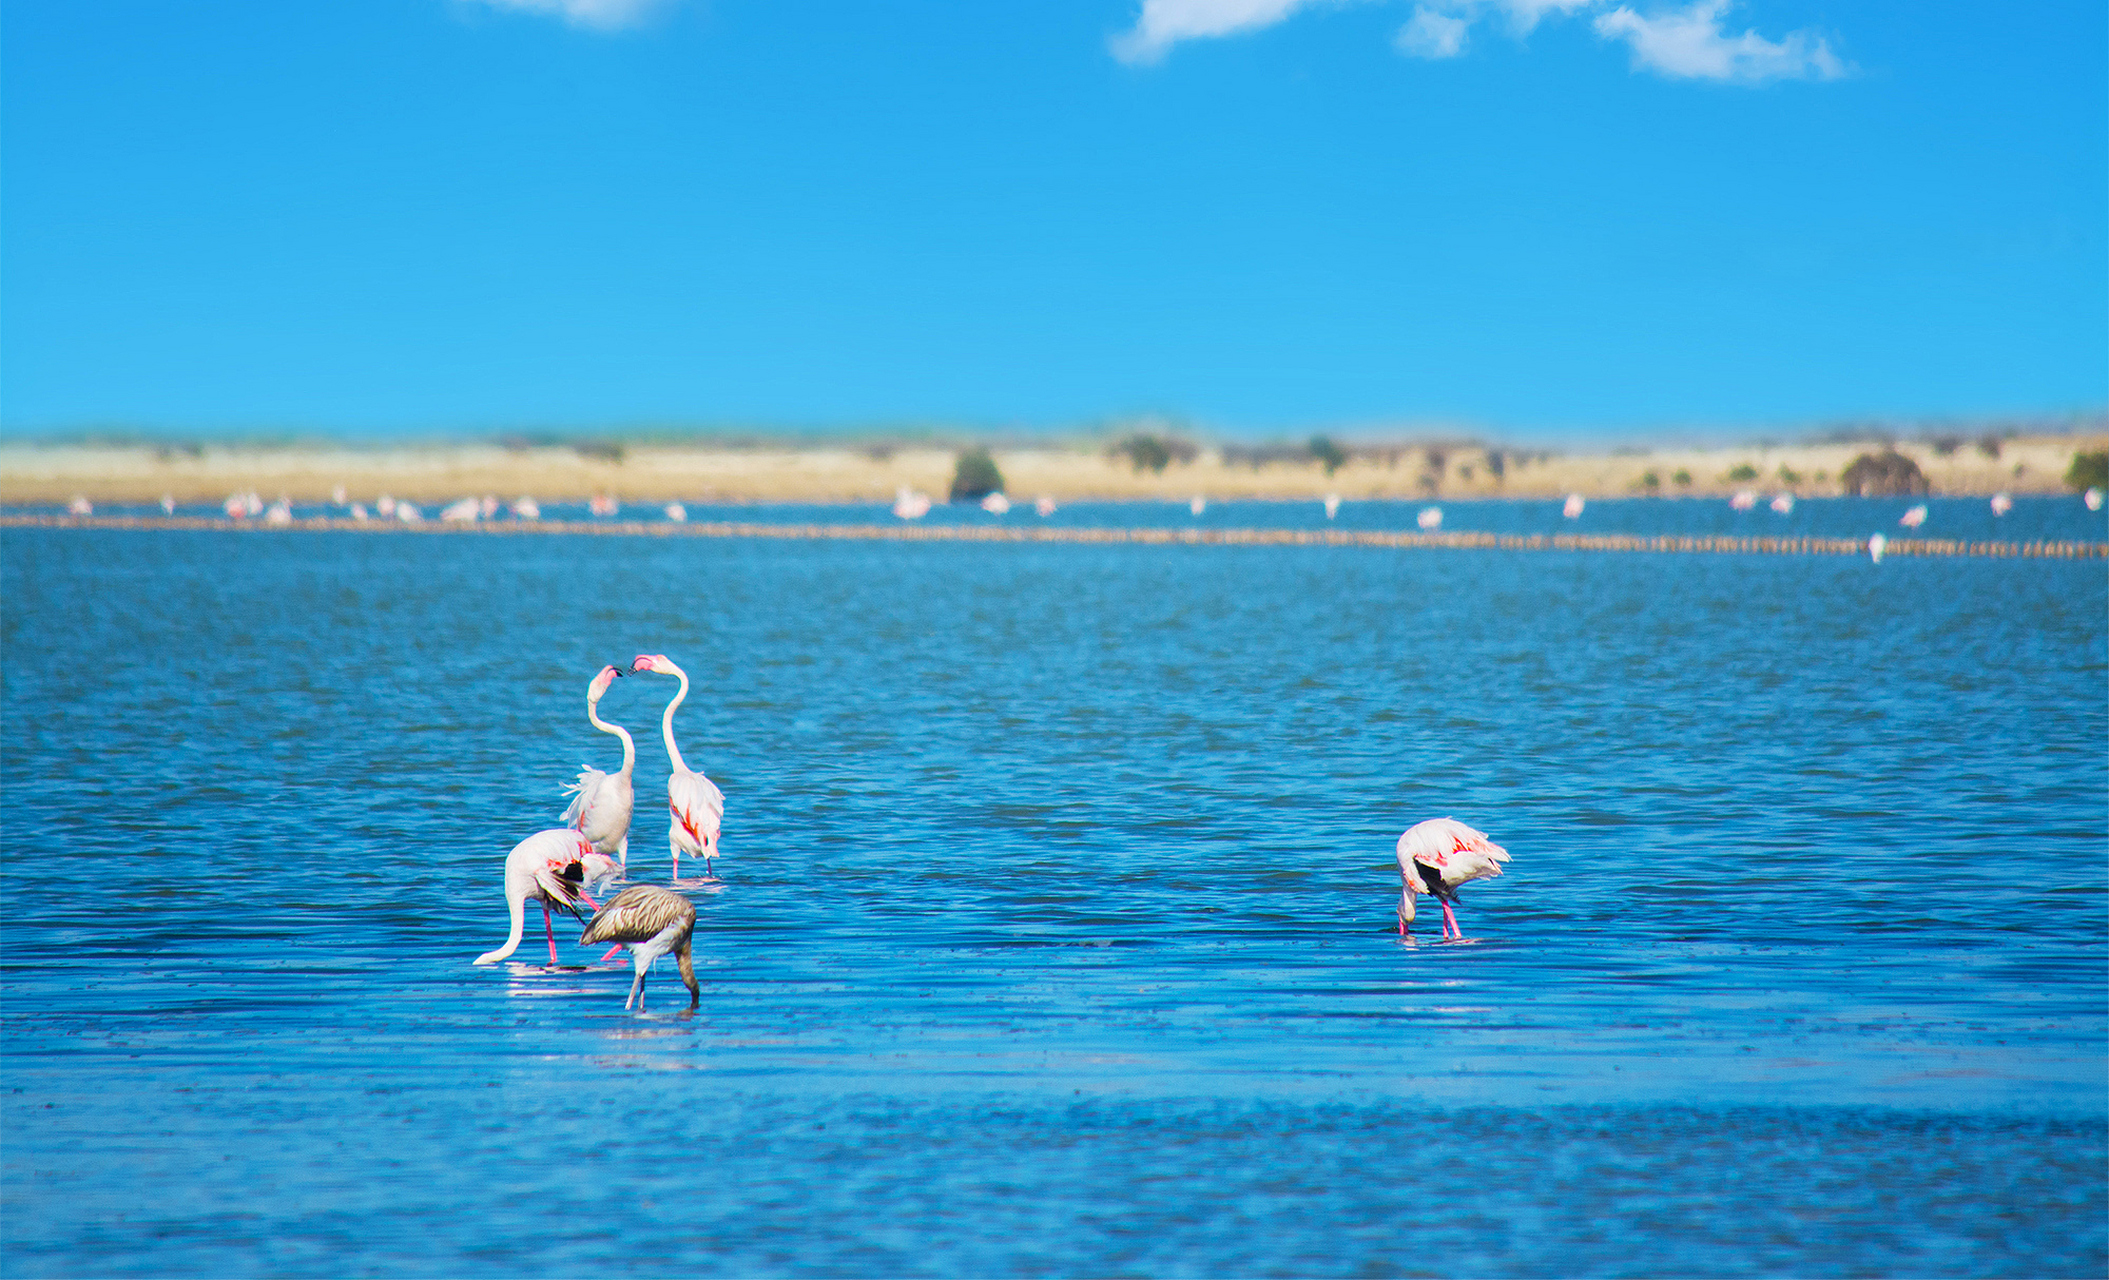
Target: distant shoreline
44, 474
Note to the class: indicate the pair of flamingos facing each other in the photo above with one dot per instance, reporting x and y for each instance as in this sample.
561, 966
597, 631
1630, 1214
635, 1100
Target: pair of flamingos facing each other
562, 867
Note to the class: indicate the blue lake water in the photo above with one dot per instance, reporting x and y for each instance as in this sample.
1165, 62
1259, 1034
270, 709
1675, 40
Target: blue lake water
1056, 926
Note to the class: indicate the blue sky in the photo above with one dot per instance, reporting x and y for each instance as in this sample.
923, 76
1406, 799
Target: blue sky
1549, 219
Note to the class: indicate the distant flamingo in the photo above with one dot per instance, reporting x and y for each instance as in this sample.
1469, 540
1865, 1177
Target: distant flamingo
601, 802
695, 802
80, 506
1045, 506
466, 511
1784, 503
168, 504
2093, 498
1743, 501
2002, 503
995, 504
1431, 518
554, 868
909, 504
1435, 857
1332, 505
1913, 518
1876, 545
676, 513
603, 506
526, 508
1198, 505
650, 921
1573, 507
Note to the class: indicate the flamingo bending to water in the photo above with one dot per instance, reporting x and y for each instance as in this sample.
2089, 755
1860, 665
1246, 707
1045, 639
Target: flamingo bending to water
1435, 857
650, 921
695, 802
601, 802
554, 868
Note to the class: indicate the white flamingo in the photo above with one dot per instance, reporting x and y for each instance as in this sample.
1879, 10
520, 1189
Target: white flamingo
694, 801
601, 802
1913, 518
2002, 503
1574, 506
555, 868
1431, 518
650, 921
1435, 857
909, 504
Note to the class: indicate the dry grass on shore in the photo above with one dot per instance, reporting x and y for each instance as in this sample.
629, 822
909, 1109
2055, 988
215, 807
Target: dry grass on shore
52, 474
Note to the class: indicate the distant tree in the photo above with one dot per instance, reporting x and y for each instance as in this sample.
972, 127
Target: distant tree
1650, 481
1945, 446
1328, 454
1885, 474
1788, 475
1988, 445
1743, 471
1154, 453
1682, 477
975, 476
598, 450
2089, 471
1497, 466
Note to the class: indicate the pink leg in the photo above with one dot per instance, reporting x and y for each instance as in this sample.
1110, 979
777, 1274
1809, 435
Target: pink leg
613, 952
588, 900
1450, 927
552, 931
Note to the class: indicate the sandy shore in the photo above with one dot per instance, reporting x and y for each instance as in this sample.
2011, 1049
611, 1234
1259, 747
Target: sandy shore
32, 474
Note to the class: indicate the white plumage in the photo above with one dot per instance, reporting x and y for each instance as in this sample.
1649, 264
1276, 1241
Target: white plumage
601, 803
557, 868
694, 803
1435, 857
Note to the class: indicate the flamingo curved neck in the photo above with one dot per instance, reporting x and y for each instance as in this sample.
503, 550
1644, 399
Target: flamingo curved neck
515, 905
666, 723
629, 748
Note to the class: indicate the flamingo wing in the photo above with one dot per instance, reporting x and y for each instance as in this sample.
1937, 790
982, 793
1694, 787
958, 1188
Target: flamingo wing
583, 794
558, 862
638, 914
698, 808
1452, 849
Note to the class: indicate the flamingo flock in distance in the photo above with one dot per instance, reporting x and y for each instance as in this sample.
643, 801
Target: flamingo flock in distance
563, 867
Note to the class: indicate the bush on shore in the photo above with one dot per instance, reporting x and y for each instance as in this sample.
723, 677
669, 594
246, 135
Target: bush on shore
975, 476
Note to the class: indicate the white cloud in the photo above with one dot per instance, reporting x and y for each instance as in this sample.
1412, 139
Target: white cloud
1689, 44
1163, 23
1433, 35
1525, 15
601, 15
1686, 43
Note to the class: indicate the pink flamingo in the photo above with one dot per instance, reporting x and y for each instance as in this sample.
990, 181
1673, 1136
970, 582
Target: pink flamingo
695, 802
1435, 857
554, 868
601, 802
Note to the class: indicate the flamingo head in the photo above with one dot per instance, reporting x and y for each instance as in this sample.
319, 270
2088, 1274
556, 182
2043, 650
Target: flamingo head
601, 681
653, 662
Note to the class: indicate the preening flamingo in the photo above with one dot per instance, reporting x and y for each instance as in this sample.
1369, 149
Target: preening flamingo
695, 802
1435, 857
650, 921
601, 802
1913, 518
555, 868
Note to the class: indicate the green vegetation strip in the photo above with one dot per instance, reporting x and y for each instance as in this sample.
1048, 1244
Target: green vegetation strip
2055, 550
